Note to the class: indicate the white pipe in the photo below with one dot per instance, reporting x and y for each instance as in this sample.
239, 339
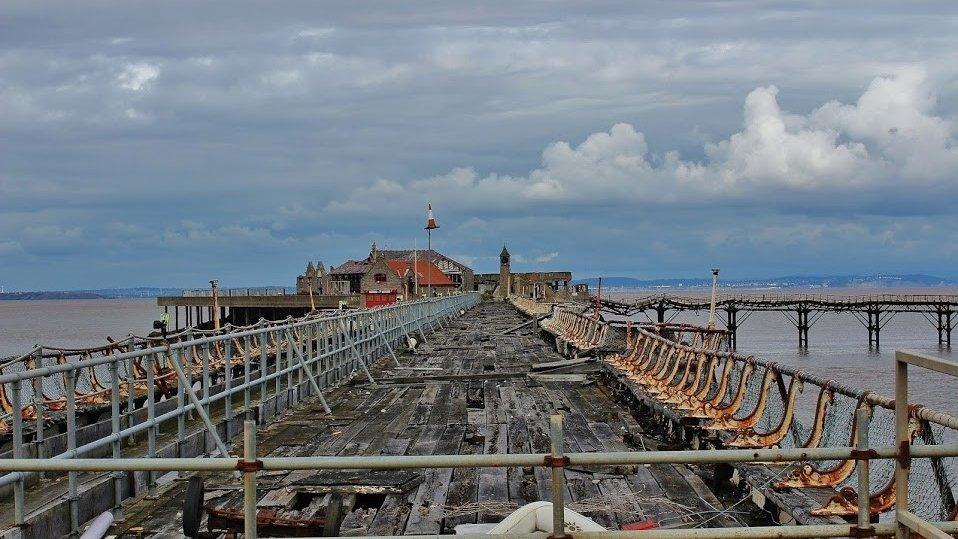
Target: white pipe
100, 525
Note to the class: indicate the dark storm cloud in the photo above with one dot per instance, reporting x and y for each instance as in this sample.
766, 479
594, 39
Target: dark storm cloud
146, 143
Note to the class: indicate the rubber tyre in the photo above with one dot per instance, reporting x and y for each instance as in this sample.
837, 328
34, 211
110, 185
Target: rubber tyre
193, 506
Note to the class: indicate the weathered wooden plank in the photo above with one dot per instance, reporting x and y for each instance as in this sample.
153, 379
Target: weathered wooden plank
582, 488
464, 484
426, 514
494, 482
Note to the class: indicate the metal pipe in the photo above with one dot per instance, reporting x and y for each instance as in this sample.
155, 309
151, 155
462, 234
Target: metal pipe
862, 419
115, 430
198, 406
18, 501
249, 479
558, 476
902, 440
72, 488
356, 354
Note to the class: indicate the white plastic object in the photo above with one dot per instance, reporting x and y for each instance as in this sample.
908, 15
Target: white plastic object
537, 517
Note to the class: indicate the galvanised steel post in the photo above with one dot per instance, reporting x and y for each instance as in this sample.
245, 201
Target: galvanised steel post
180, 416
200, 407
249, 480
382, 335
246, 373
357, 356
69, 379
557, 462
312, 380
263, 359
290, 389
902, 442
151, 419
228, 384
862, 419
38, 405
277, 360
130, 391
115, 430
205, 385
18, 502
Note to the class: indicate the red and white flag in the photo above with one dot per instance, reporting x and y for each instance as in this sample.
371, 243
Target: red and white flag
430, 218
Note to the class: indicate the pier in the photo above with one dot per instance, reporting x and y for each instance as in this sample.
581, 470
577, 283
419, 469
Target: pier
801, 310
426, 416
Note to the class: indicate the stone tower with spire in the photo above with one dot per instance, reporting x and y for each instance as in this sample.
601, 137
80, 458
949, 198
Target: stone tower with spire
505, 278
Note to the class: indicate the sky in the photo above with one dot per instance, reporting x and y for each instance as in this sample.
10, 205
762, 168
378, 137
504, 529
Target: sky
168, 143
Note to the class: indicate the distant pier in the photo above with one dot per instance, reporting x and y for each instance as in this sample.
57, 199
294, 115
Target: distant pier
802, 310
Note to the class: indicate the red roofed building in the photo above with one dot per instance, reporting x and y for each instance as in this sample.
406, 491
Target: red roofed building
385, 276
425, 274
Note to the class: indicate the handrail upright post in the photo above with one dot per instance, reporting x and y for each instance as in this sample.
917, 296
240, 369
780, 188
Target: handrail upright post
205, 374
115, 430
228, 385
863, 417
180, 411
246, 368
249, 480
277, 361
37, 382
263, 359
558, 476
19, 513
151, 419
902, 441
70, 380
130, 391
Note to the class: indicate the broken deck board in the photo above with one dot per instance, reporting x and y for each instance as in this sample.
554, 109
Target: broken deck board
480, 401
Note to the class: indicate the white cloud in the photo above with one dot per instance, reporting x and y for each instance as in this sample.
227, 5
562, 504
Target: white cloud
548, 257
135, 77
888, 140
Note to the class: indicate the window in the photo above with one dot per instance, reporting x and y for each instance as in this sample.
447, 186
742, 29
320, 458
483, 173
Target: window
380, 277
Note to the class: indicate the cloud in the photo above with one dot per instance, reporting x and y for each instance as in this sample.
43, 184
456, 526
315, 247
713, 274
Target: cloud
135, 77
548, 257
651, 137
889, 141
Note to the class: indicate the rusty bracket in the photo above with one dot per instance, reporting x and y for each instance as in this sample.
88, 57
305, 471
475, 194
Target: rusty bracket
863, 454
859, 532
249, 466
555, 462
904, 454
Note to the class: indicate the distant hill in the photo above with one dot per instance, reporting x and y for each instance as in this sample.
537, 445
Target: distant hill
14, 296
793, 281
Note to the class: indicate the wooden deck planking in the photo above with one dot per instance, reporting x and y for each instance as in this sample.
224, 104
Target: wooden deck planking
480, 401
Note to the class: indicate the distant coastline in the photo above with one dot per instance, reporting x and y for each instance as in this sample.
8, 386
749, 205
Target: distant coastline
795, 282
27, 296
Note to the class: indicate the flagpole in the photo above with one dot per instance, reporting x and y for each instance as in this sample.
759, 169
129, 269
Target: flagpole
429, 267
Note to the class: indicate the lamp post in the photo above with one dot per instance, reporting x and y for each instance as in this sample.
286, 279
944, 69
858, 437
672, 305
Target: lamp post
715, 272
431, 224
214, 292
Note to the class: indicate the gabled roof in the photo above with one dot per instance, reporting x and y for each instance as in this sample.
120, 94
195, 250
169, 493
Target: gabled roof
429, 255
352, 267
427, 273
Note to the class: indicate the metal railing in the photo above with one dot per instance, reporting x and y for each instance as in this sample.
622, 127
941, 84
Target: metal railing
256, 291
296, 357
557, 460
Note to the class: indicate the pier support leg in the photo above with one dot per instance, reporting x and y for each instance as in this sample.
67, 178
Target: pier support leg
732, 326
944, 326
802, 325
874, 328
